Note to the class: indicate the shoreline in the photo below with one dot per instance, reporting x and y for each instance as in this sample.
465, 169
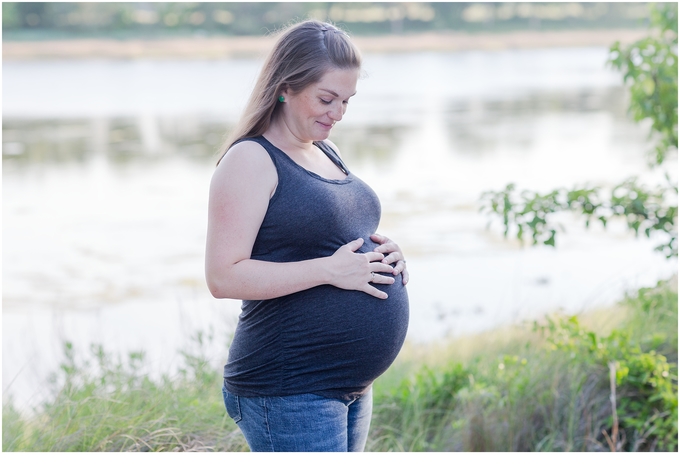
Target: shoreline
255, 46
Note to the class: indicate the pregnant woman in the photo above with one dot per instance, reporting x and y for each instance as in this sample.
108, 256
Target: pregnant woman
291, 232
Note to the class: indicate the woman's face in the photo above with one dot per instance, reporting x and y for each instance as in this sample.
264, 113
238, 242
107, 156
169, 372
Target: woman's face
311, 114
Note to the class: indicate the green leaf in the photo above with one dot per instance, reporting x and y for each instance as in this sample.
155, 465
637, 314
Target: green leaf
648, 86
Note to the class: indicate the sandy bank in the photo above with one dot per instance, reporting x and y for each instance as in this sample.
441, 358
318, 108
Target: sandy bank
225, 47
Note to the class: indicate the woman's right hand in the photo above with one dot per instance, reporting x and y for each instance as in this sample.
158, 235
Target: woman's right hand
354, 271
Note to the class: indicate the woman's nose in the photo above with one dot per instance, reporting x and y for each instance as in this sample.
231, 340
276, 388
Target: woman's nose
336, 113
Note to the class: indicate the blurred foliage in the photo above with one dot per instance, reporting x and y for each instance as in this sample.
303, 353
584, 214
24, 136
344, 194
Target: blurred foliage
650, 68
103, 402
646, 384
647, 211
34, 20
550, 391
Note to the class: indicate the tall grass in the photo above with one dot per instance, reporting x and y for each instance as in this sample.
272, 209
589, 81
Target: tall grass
556, 385
107, 404
549, 386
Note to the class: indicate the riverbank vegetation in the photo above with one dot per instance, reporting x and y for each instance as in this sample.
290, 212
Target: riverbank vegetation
596, 382
600, 382
126, 20
214, 31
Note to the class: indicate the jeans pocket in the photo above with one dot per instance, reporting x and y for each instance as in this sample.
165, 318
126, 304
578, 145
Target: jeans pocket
231, 403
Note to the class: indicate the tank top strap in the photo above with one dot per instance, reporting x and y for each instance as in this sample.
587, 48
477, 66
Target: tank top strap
284, 163
280, 162
328, 150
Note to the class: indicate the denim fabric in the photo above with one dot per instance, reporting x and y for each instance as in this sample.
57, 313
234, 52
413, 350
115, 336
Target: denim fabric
301, 423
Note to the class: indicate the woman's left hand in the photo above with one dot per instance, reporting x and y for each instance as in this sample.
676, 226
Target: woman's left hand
392, 254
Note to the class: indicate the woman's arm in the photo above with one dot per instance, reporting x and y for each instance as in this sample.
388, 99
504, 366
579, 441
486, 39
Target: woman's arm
239, 196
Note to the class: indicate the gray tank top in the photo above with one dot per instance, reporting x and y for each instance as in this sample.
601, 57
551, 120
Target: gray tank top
323, 340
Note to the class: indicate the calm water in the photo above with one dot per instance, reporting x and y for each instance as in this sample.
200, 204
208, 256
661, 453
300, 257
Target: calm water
106, 166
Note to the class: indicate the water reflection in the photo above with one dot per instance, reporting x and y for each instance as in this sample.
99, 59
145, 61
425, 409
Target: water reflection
37, 142
474, 128
482, 128
125, 140
371, 144
122, 140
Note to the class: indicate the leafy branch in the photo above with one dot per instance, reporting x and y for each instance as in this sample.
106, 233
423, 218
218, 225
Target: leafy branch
645, 211
650, 68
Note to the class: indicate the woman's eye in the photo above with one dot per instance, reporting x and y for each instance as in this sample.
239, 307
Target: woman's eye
324, 101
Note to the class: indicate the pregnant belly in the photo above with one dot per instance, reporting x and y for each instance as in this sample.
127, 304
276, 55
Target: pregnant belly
318, 340
348, 334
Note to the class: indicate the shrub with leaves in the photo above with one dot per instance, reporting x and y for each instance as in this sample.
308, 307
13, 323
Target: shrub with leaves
646, 384
650, 68
549, 391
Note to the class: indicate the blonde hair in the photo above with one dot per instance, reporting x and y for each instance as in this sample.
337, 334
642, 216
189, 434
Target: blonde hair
300, 57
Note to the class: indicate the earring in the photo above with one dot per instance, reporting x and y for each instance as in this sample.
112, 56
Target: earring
281, 99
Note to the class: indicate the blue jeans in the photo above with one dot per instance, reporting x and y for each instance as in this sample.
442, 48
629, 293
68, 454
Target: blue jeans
301, 423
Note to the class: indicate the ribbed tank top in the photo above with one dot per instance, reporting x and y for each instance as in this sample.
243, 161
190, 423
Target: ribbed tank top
324, 340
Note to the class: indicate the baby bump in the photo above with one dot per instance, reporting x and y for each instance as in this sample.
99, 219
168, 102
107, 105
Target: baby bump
347, 332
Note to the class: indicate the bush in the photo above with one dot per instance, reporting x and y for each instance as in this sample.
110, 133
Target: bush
551, 393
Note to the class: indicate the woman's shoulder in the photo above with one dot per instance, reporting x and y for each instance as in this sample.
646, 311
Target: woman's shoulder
246, 146
247, 159
246, 152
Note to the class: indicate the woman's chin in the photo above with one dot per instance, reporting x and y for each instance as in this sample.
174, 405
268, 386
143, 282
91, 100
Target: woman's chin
325, 131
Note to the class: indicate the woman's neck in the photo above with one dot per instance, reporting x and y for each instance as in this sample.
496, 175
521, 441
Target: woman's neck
280, 135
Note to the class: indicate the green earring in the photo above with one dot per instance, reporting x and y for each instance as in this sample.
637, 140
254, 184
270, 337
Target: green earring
281, 99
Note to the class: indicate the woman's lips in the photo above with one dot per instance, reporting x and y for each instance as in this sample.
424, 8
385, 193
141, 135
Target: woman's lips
325, 126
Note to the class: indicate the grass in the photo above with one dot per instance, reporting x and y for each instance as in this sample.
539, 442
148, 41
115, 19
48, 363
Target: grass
111, 405
545, 386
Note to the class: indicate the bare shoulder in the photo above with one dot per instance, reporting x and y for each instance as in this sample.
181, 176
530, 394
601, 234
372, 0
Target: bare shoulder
246, 168
247, 153
246, 159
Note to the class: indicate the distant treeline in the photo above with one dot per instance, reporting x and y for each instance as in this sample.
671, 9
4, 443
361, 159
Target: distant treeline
35, 20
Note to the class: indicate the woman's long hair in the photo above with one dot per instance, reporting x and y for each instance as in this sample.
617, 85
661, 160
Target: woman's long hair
300, 57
